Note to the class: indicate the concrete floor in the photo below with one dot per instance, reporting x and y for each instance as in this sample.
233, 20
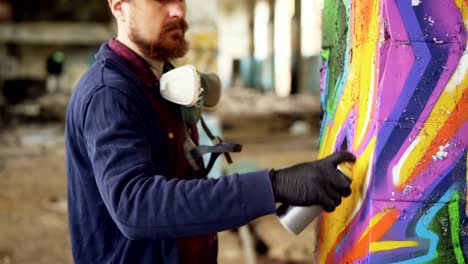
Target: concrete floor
33, 216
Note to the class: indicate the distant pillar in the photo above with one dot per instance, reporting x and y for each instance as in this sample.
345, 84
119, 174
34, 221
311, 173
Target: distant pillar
395, 93
283, 49
271, 44
296, 48
251, 47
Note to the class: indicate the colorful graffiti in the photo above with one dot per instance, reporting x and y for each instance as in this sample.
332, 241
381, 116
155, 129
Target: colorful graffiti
395, 93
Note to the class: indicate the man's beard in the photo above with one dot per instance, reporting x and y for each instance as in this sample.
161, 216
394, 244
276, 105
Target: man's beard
168, 45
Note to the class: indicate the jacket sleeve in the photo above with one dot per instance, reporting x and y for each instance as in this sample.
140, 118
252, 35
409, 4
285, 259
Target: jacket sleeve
147, 206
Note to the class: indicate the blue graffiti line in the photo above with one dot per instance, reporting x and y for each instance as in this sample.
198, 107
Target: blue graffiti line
342, 243
423, 232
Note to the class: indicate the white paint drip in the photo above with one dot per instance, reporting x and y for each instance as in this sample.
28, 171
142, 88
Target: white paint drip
397, 168
416, 2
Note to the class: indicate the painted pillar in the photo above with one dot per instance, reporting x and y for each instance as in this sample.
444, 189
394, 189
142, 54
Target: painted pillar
395, 93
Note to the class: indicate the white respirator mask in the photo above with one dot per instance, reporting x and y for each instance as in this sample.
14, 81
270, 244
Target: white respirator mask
186, 86
194, 91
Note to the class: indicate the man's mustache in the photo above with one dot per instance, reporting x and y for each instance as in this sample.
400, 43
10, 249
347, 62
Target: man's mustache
177, 24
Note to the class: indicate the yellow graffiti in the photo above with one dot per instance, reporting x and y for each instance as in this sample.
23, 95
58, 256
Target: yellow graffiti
361, 178
365, 83
461, 5
359, 90
359, 86
336, 222
332, 130
391, 245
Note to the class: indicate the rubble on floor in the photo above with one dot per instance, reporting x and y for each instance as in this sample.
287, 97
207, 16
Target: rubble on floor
240, 101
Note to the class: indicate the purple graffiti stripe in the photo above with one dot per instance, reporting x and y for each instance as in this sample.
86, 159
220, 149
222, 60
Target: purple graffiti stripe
367, 138
453, 59
441, 21
394, 75
346, 135
404, 95
394, 22
397, 74
403, 52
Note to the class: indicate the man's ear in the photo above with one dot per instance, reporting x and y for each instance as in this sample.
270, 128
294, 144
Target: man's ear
116, 9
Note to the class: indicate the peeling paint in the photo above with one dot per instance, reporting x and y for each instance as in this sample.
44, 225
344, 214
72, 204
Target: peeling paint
441, 154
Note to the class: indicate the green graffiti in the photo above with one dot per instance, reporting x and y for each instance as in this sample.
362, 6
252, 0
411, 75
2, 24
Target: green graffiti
325, 54
454, 212
335, 39
447, 225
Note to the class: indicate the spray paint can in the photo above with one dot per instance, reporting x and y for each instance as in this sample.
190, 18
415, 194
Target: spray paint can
296, 218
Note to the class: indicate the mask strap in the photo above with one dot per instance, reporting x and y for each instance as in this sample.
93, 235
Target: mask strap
194, 152
216, 151
190, 148
215, 139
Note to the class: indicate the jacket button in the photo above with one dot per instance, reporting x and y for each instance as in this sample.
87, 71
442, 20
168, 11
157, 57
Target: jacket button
171, 136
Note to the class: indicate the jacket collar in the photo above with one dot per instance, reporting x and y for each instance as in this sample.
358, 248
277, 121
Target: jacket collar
117, 52
136, 64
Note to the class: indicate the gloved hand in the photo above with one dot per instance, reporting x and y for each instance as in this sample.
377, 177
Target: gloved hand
313, 183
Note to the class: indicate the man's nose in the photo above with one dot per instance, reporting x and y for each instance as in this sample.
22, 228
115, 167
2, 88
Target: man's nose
177, 9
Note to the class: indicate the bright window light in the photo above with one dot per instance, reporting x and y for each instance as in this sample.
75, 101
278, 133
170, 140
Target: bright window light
262, 14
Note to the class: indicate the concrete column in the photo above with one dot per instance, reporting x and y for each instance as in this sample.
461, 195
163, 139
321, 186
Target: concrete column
395, 93
296, 48
251, 22
271, 44
283, 50
271, 28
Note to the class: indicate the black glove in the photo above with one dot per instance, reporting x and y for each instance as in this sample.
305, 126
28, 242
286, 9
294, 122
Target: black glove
313, 183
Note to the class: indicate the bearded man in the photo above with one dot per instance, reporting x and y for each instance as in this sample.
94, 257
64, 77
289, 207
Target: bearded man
133, 196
